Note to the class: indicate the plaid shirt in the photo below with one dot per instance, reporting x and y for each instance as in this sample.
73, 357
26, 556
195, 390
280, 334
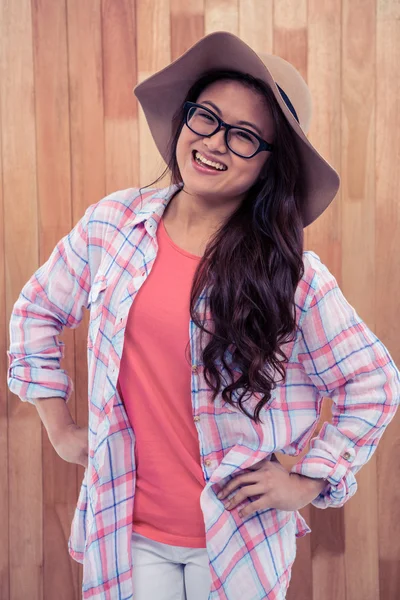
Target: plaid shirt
101, 264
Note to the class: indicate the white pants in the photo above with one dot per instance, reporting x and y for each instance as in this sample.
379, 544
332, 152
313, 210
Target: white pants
165, 572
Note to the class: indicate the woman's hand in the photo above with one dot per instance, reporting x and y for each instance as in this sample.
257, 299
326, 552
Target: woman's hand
273, 486
72, 444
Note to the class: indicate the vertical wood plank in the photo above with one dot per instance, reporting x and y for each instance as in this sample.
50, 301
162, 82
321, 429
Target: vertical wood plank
221, 15
153, 52
324, 237
387, 286
324, 38
290, 33
4, 505
54, 195
358, 248
120, 112
21, 248
256, 24
187, 25
358, 155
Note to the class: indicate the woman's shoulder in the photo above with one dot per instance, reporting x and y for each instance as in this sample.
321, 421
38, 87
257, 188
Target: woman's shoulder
316, 280
316, 273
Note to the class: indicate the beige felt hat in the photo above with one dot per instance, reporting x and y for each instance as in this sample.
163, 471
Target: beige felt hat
163, 93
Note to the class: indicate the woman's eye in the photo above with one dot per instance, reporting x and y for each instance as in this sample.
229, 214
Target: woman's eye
206, 116
244, 135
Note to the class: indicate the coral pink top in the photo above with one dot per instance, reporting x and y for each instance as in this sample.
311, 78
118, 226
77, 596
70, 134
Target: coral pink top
154, 383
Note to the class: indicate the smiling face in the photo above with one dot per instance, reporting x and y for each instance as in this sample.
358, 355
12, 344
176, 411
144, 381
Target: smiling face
236, 102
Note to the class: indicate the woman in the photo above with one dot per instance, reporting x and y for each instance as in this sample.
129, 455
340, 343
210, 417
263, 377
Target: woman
224, 356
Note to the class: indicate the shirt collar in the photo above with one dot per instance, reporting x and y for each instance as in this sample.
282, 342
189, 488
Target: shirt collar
152, 208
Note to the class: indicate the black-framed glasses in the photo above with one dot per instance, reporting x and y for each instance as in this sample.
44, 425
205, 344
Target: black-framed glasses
240, 141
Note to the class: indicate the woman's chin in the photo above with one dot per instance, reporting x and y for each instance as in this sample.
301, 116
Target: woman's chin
200, 181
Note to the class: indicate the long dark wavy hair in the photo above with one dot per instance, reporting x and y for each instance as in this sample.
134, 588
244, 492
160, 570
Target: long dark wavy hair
252, 265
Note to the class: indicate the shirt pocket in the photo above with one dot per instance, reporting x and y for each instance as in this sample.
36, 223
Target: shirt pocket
96, 306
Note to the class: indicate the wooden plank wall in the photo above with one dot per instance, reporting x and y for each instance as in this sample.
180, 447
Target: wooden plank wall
71, 131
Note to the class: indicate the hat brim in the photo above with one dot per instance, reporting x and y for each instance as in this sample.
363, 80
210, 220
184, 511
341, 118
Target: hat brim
161, 95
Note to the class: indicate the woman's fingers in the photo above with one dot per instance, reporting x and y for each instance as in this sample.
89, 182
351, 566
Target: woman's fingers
248, 491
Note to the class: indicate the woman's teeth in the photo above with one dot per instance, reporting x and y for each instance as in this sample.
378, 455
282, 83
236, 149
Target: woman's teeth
200, 159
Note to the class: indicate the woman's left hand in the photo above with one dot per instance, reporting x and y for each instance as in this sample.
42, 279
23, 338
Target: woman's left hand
273, 486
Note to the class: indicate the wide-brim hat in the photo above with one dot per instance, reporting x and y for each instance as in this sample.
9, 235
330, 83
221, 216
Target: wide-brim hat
164, 92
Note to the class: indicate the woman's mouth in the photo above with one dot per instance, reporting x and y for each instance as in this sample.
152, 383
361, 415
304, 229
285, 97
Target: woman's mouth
202, 167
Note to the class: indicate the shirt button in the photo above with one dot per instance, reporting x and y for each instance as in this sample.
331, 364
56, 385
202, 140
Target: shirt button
208, 462
194, 368
196, 418
347, 455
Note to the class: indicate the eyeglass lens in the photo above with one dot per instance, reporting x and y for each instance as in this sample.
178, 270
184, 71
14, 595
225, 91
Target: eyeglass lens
203, 123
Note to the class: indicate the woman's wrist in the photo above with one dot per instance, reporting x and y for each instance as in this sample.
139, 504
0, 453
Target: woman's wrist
310, 487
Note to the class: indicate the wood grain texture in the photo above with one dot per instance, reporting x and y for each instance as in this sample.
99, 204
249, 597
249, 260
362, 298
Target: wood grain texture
256, 24
19, 170
221, 15
358, 248
153, 52
119, 77
387, 286
71, 131
4, 489
54, 212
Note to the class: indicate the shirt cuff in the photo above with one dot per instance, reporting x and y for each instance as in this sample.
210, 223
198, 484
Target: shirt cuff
341, 483
30, 383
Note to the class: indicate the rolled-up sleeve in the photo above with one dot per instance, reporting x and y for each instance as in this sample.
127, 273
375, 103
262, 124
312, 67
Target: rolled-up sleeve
53, 298
347, 363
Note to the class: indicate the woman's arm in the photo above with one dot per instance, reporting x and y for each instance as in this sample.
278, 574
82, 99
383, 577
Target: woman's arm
349, 364
55, 416
68, 439
53, 298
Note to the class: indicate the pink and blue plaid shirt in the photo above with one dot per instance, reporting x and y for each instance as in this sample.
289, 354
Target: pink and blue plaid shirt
100, 265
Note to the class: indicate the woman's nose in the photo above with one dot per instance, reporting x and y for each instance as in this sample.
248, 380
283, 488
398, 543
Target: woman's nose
217, 141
